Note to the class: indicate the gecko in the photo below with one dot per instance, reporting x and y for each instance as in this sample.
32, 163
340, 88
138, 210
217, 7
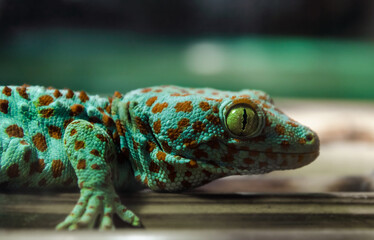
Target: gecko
167, 138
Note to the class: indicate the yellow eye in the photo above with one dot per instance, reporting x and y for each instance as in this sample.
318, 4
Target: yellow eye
242, 121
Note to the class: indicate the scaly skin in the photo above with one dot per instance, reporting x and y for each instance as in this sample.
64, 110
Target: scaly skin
168, 138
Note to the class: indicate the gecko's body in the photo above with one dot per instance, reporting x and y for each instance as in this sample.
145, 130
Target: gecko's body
168, 138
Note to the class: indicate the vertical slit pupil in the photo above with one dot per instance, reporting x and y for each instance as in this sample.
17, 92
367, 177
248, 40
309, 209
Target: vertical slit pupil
244, 119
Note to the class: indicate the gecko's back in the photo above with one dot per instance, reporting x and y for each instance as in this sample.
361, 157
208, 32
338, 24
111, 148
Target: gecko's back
33, 120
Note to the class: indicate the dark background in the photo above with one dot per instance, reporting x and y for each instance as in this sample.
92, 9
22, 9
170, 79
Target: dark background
289, 48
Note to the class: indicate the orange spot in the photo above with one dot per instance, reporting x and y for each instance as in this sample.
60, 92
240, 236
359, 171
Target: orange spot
292, 124
190, 143
150, 101
145, 90
83, 96
54, 132
262, 98
157, 126
159, 107
79, 145
14, 131
280, 130
108, 121
183, 106
174, 133
39, 142
47, 113
192, 164
243, 101
57, 93
95, 166
198, 126
22, 91
120, 128
204, 106
213, 119
135, 145
95, 152
214, 99
161, 156
73, 132
151, 146
69, 94
141, 125
57, 168
45, 100
215, 109
67, 122
13, 171
166, 146
81, 164
76, 109
7, 91
117, 94
101, 137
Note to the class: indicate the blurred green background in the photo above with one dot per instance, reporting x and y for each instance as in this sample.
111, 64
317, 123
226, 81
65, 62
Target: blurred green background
292, 51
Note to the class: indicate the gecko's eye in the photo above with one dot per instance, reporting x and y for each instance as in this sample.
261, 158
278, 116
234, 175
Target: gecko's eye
243, 121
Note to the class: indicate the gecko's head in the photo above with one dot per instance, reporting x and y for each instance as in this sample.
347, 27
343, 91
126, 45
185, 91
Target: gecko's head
181, 138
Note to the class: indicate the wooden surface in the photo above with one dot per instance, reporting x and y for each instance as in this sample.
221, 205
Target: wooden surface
203, 216
205, 211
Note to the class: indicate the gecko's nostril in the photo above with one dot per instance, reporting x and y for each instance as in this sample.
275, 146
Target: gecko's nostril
309, 137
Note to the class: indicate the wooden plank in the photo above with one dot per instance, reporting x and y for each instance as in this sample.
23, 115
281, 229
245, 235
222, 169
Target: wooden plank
204, 211
287, 234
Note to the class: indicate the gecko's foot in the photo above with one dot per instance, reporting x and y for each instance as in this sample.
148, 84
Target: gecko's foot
94, 204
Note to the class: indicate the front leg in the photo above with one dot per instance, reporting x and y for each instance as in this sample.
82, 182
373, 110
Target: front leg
91, 152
